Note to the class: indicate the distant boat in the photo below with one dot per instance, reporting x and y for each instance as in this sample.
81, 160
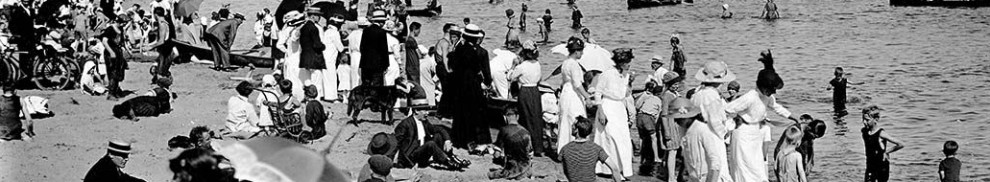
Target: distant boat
427, 12
651, 3
949, 3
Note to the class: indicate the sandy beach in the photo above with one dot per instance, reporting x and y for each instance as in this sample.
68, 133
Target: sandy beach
69, 144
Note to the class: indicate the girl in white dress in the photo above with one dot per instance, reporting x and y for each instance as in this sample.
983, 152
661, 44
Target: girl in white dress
572, 93
612, 89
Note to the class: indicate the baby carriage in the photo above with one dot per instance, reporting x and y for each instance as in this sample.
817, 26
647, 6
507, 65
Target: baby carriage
287, 124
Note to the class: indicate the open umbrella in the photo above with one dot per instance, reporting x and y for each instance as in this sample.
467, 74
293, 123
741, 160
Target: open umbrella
187, 7
271, 159
285, 7
51, 10
594, 58
331, 8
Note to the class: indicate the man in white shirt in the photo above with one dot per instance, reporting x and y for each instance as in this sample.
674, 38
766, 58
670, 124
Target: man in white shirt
659, 70
242, 118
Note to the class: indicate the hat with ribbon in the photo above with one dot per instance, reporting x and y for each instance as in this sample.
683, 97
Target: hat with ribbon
683, 108
472, 30
715, 72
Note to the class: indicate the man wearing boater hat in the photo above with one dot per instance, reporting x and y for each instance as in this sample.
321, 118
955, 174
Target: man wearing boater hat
471, 69
311, 62
374, 51
108, 167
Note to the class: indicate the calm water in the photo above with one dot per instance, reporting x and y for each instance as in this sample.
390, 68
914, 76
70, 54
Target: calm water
929, 68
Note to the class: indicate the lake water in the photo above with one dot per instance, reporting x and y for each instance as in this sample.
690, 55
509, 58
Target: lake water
927, 67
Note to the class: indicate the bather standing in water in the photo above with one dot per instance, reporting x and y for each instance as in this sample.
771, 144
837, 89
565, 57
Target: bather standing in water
726, 14
770, 12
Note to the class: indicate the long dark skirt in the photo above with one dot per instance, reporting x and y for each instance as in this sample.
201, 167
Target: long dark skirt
471, 121
531, 115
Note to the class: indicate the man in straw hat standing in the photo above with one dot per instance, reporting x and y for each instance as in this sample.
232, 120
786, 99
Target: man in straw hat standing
109, 167
712, 107
374, 51
311, 62
704, 152
472, 70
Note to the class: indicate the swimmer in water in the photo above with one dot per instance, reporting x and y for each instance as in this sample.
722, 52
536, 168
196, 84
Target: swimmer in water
771, 11
725, 11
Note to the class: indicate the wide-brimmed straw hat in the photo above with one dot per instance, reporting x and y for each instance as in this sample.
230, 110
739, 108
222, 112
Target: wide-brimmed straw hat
314, 11
472, 30
656, 59
268, 81
715, 72
378, 15
292, 17
670, 76
119, 147
683, 108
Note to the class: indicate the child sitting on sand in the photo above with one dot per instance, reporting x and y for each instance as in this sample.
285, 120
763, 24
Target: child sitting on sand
948, 169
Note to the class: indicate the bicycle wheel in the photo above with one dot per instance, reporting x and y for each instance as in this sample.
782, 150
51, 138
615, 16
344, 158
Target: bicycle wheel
52, 74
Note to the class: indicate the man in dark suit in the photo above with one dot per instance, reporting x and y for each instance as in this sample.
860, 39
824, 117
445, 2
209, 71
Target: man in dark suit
311, 61
374, 51
419, 141
107, 169
21, 27
221, 37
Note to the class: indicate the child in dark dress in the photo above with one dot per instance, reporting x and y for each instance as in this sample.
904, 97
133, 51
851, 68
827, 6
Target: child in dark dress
839, 94
948, 169
877, 152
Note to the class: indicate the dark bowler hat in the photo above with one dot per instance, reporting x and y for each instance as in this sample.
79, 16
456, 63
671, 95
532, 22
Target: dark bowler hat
383, 144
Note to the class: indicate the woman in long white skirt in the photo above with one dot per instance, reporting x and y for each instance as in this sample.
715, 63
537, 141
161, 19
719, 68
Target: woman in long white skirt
289, 43
572, 93
613, 135
747, 162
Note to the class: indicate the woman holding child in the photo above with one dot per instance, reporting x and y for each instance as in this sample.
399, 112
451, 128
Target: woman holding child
612, 133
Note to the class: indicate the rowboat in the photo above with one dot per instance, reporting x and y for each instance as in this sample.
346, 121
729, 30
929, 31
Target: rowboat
261, 57
950, 3
651, 3
427, 12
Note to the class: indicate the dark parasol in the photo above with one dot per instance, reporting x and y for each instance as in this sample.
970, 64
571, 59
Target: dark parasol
285, 7
330, 9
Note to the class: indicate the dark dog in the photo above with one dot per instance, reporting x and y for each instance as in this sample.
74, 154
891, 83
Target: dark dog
144, 106
377, 98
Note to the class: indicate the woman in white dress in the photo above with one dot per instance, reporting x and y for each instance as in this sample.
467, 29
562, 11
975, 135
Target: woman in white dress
612, 133
572, 93
746, 160
289, 43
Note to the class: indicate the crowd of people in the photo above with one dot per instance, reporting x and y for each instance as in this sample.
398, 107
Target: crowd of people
720, 133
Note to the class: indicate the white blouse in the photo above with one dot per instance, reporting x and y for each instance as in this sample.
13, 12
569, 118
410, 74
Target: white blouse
753, 110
